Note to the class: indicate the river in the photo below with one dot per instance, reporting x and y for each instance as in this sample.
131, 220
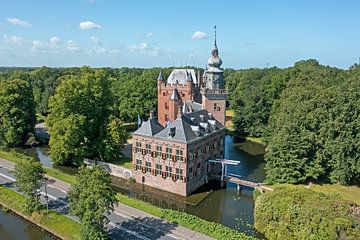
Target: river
14, 228
224, 205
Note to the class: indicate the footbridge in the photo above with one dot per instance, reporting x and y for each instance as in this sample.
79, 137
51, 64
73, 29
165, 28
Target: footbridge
239, 180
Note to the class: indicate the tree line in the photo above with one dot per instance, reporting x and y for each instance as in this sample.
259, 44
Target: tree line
308, 115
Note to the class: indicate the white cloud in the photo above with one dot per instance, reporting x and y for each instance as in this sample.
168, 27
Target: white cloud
199, 35
72, 46
96, 41
144, 48
14, 40
16, 21
54, 40
39, 45
88, 25
150, 34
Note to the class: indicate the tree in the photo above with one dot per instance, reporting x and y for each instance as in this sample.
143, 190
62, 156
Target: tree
29, 176
299, 213
80, 119
17, 112
92, 199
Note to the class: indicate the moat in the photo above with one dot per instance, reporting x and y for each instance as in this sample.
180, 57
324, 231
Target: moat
223, 205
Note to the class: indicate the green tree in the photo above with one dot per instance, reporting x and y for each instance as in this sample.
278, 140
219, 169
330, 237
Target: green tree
17, 112
30, 177
92, 199
301, 213
81, 122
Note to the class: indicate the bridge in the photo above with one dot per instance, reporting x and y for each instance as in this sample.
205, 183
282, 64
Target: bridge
235, 178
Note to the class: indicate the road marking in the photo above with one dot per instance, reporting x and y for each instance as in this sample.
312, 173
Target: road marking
110, 223
8, 177
128, 231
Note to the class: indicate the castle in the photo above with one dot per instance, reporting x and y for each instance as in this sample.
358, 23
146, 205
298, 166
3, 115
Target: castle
172, 152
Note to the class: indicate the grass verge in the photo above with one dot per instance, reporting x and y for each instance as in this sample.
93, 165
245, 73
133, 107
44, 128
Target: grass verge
56, 223
215, 230
16, 157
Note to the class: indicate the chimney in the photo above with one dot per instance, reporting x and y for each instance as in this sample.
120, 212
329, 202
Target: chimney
201, 117
180, 112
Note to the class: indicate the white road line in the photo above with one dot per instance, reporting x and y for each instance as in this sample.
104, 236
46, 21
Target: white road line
8, 177
111, 223
129, 231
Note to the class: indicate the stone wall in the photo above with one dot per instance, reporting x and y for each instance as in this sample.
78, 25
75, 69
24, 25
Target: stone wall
113, 169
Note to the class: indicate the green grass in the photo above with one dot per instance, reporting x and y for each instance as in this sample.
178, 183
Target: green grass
55, 173
138, 204
54, 222
254, 139
215, 230
351, 193
123, 162
211, 229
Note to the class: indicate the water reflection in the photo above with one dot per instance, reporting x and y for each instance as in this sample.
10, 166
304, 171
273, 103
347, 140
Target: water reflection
13, 228
223, 205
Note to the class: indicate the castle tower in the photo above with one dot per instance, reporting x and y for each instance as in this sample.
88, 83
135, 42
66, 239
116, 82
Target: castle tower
214, 93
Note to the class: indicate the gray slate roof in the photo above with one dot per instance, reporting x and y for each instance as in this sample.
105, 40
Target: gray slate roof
191, 106
191, 126
180, 76
149, 128
175, 94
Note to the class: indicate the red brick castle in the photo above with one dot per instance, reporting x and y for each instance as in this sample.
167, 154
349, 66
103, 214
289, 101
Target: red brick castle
172, 152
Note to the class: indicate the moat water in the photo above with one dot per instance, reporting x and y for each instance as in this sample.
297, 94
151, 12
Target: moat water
14, 228
224, 205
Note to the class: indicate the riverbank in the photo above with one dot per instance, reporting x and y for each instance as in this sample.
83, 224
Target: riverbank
57, 224
188, 221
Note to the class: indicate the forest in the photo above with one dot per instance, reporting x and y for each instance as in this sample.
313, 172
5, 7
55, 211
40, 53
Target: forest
307, 115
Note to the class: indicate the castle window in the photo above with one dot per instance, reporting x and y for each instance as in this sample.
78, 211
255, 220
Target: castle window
166, 106
216, 107
148, 166
168, 171
138, 147
138, 164
179, 173
168, 152
148, 148
166, 117
158, 169
191, 156
158, 150
179, 154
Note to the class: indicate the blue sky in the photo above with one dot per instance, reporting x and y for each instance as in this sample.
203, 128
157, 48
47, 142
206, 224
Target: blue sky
146, 33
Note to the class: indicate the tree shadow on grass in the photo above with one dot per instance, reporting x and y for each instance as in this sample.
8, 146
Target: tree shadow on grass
148, 227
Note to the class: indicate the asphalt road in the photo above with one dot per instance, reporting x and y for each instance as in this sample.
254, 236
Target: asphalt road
120, 226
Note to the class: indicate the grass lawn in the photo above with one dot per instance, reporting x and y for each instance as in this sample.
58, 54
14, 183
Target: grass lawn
138, 204
351, 193
123, 162
254, 139
55, 173
56, 223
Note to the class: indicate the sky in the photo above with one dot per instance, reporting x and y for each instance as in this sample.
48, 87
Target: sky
165, 33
